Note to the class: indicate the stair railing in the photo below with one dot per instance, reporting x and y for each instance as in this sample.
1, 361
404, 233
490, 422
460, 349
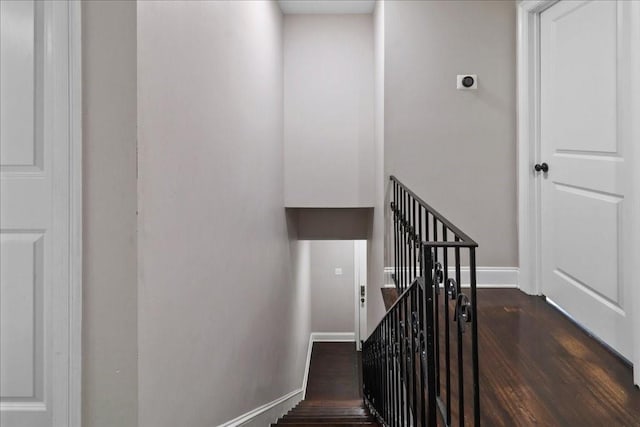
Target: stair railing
416, 362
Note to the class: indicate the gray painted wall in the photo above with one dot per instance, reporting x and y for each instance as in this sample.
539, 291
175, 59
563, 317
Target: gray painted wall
221, 320
456, 149
332, 296
328, 110
109, 339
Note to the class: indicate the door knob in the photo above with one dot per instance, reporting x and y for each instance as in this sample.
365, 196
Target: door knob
541, 167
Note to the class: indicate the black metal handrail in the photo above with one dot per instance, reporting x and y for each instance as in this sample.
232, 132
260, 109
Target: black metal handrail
408, 370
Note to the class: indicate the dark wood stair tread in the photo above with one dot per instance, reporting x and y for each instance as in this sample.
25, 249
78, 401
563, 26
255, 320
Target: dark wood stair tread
344, 411
326, 416
327, 413
325, 420
329, 424
332, 403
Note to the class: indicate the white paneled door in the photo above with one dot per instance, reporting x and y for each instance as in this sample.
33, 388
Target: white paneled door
37, 263
584, 142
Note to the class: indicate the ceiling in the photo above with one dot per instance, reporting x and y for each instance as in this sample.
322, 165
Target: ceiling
327, 6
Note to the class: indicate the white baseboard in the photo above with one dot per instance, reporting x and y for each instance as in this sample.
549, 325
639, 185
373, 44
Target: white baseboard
267, 413
486, 277
333, 336
490, 277
305, 379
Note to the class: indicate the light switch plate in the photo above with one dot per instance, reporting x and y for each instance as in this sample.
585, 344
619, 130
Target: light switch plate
461, 77
338, 271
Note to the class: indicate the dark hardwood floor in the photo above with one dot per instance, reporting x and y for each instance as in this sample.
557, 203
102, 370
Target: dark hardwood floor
539, 368
334, 372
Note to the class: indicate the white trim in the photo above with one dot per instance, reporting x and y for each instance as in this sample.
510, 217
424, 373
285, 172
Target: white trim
333, 336
254, 413
75, 209
528, 117
62, 98
360, 279
305, 379
23, 406
486, 277
634, 154
490, 277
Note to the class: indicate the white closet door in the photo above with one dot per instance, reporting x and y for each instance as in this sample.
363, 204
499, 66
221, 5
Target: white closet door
585, 190
34, 214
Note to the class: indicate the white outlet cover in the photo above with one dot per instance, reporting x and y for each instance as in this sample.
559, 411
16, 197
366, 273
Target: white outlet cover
338, 271
459, 85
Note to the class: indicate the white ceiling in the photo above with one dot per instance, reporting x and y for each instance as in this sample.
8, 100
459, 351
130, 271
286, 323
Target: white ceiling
327, 6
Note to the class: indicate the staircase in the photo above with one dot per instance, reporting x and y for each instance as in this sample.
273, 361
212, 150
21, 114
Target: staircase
323, 413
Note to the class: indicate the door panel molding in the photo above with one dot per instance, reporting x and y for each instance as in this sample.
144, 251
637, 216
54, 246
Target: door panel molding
529, 148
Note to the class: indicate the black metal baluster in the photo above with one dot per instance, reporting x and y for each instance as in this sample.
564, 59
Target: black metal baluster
447, 344
415, 244
422, 377
429, 327
404, 243
380, 373
381, 369
385, 369
407, 241
395, 232
383, 383
474, 337
399, 249
419, 242
392, 401
412, 354
409, 251
374, 370
398, 360
426, 225
403, 355
374, 367
400, 363
436, 305
377, 369
380, 388
394, 373
389, 373
459, 336
400, 237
